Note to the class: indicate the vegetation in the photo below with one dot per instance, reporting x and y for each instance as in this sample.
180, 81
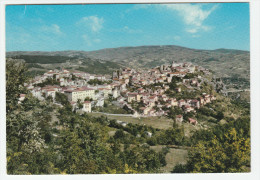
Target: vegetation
42, 59
49, 81
98, 67
45, 139
33, 73
15, 79
76, 144
224, 148
236, 82
98, 82
34, 65
62, 99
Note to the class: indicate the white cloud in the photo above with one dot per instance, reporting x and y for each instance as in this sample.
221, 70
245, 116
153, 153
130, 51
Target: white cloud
93, 22
193, 15
54, 29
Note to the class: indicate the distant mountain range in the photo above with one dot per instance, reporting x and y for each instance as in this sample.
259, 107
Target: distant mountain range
226, 63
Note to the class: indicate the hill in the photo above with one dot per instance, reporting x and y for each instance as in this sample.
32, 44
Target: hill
225, 63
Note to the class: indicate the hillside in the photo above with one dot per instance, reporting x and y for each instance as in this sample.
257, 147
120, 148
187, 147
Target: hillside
223, 62
37, 64
226, 63
66, 141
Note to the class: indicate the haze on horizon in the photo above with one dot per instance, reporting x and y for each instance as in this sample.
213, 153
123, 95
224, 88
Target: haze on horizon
93, 27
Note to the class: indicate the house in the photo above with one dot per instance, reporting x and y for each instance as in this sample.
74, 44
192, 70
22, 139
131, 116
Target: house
105, 91
100, 102
74, 105
87, 106
201, 100
212, 98
182, 103
168, 105
173, 101
115, 93
194, 81
124, 124
195, 103
22, 97
130, 97
153, 98
144, 110
148, 134
169, 79
75, 95
151, 112
192, 121
133, 97
207, 99
179, 118
50, 92
80, 94
191, 69
188, 108
178, 89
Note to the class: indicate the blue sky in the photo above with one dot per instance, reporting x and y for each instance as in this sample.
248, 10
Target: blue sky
93, 27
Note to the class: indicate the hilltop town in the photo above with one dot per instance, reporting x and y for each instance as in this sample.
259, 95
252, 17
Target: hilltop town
141, 93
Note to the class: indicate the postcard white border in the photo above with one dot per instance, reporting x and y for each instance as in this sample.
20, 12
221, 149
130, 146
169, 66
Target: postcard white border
255, 96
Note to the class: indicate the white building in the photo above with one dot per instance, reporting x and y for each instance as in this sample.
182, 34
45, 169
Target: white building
87, 106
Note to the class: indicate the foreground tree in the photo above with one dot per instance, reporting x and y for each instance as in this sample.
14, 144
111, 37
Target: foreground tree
230, 153
15, 79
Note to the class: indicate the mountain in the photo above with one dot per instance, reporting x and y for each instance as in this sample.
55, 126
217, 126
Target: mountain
233, 65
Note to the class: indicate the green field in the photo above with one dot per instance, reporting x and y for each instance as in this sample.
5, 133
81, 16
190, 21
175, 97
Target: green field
156, 122
173, 157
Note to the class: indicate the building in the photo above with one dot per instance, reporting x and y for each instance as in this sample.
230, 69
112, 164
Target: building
75, 95
22, 97
100, 102
80, 94
179, 118
115, 93
133, 97
87, 106
50, 92
193, 121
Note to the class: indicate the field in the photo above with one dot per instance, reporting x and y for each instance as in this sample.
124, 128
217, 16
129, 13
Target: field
174, 157
156, 122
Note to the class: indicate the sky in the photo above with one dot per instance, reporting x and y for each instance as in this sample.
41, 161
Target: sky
93, 27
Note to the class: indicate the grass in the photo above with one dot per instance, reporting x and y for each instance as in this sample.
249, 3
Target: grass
173, 157
156, 122
112, 109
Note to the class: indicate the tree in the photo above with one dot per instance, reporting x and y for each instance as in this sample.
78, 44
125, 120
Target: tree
88, 99
228, 154
79, 104
15, 79
61, 98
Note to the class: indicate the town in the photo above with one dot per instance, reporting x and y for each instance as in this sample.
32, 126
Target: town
142, 93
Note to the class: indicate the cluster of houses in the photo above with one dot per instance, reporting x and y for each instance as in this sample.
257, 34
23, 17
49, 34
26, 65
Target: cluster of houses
128, 87
153, 100
75, 86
